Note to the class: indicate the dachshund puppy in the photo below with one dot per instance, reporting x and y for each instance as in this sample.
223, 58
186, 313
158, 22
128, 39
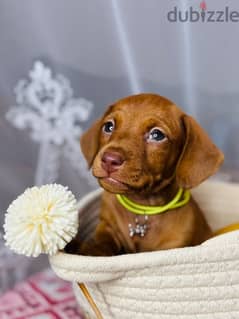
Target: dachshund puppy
148, 150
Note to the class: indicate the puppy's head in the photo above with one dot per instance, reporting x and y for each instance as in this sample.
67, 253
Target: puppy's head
143, 142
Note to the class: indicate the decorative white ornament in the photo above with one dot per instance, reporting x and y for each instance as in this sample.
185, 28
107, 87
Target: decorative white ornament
41, 220
46, 106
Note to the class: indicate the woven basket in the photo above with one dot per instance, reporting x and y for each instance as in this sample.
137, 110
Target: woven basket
196, 282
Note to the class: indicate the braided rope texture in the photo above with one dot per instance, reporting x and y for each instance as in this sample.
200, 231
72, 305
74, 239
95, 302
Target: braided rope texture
195, 282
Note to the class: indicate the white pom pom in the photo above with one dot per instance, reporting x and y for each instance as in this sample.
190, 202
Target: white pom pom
41, 220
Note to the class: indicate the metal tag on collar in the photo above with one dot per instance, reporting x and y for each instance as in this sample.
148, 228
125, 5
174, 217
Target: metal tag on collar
139, 229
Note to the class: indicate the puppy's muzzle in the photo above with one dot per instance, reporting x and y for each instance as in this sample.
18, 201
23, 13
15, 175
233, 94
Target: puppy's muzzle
111, 161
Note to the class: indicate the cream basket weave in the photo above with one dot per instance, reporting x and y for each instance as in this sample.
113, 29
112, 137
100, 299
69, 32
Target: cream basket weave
197, 282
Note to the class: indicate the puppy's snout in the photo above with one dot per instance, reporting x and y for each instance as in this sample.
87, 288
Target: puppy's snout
111, 161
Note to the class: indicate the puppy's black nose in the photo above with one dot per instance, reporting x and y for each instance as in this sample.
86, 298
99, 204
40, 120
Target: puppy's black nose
111, 161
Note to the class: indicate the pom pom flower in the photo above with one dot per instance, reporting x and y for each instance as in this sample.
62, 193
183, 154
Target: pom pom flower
41, 220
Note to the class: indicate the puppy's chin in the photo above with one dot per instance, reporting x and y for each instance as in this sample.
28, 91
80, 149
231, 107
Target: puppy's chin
113, 185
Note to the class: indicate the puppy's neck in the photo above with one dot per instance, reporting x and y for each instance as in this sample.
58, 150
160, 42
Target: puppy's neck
162, 197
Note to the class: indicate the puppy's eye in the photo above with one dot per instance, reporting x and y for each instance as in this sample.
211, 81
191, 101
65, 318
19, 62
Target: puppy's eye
156, 135
109, 127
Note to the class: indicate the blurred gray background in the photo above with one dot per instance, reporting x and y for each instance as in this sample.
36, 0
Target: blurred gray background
112, 48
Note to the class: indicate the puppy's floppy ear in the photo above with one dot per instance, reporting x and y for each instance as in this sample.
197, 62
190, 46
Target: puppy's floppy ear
89, 142
199, 159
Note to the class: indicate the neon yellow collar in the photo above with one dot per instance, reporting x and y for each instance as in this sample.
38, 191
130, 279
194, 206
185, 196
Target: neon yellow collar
182, 198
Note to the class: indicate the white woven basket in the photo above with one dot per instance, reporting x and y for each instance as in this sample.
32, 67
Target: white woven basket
197, 282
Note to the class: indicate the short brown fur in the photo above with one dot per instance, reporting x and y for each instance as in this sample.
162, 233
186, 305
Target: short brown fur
151, 173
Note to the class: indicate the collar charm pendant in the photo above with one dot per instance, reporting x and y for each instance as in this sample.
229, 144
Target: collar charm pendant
138, 229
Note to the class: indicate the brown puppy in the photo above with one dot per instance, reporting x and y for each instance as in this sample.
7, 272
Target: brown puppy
146, 148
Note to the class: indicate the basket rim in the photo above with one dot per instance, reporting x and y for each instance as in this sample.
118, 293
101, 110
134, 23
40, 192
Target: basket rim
224, 243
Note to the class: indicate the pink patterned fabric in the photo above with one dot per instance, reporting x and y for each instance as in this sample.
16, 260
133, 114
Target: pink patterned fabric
43, 296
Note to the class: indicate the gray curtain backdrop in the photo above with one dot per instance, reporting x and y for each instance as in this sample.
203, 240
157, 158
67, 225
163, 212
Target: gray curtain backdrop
113, 48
